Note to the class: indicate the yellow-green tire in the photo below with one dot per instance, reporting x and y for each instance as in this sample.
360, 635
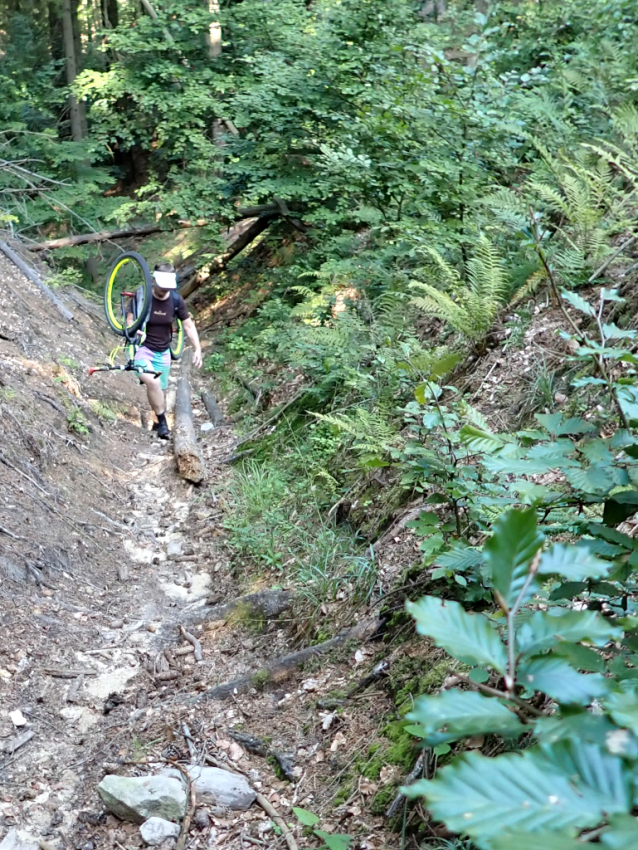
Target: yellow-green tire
111, 307
177, 340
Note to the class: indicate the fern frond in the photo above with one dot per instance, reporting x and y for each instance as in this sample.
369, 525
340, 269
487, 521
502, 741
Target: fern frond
441, 306
473, 308
450, 274
532, 285
371, 432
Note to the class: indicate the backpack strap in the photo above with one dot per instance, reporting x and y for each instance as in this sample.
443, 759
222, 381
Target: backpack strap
176, 296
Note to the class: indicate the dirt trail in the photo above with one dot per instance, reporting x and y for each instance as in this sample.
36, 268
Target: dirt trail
104, 552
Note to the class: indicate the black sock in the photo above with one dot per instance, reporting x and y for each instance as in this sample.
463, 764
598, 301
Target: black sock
161, 419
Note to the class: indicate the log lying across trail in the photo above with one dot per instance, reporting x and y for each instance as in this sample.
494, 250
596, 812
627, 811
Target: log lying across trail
190, 464
143, 230
219, 263
283, 668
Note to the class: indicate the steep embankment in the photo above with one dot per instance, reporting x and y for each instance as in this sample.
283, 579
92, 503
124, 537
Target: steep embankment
105, 552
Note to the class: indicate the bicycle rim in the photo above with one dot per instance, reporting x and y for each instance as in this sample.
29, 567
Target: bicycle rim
128, 273
177, 339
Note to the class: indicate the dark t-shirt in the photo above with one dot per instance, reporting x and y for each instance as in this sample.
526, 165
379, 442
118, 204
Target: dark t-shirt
160, 321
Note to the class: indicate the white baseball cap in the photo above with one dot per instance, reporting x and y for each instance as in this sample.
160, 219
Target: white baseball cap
165, 280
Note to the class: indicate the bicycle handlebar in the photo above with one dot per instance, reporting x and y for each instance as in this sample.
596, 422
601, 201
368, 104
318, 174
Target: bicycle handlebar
130, 367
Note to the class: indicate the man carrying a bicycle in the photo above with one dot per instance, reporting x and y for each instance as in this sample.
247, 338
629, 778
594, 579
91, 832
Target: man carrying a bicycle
153, 352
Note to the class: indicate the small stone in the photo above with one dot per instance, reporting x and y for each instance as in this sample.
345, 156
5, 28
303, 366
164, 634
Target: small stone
18, 840
202, 821
17, 718
560, 398
156, 830
137, 798
174, 548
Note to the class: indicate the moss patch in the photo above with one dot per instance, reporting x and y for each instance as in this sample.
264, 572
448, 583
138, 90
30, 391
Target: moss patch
415, 682
383, 800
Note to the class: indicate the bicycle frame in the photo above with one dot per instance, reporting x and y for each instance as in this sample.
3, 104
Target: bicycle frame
130, 344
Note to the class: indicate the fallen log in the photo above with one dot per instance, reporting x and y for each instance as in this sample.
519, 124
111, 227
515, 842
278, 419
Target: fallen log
187, 267
13, 744
190, 464
212, 408
264, 605
219, 263
106, 235
143, 230
283, 668
34, 277
260, 748
197, 647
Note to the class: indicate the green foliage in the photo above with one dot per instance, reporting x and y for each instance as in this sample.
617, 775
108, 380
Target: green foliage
472, 309
77, 423
331, 840
566, 782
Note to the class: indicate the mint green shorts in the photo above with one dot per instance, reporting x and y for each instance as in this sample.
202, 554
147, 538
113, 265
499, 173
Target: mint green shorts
158, 361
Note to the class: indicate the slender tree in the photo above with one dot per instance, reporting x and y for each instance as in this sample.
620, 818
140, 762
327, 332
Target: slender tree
214, 35
69, 8
110, 14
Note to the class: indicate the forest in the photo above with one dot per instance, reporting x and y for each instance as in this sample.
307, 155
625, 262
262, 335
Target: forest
412, 228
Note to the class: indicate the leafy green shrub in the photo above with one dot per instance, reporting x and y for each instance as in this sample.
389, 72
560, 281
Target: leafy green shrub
579, 772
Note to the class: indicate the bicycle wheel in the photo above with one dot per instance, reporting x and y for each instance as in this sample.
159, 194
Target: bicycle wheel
177, 339
128, 273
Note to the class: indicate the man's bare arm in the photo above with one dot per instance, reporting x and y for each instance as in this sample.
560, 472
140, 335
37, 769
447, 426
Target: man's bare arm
191, 332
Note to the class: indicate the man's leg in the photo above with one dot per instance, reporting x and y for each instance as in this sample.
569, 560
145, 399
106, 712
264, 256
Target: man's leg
155, 393
160, 362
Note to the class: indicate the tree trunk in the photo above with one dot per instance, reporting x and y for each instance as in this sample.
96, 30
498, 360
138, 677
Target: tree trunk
213, 37
110, 14
68, 7
56, 36
106, 235
77, 42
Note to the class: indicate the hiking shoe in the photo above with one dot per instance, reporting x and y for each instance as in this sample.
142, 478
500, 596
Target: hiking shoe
162, 431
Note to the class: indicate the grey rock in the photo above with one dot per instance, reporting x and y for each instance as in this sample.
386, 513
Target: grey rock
174, 548
156, 830
137, 798
217, 787
18, 840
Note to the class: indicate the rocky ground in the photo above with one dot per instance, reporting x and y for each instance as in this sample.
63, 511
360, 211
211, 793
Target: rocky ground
114, 578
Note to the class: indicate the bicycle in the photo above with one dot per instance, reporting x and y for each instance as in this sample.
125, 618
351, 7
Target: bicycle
129, 292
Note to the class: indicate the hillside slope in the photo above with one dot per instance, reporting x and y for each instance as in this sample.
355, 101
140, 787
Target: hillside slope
105, 553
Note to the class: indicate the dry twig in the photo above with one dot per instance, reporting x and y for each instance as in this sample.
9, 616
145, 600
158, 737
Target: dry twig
279, 821
194, 643
181, 841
